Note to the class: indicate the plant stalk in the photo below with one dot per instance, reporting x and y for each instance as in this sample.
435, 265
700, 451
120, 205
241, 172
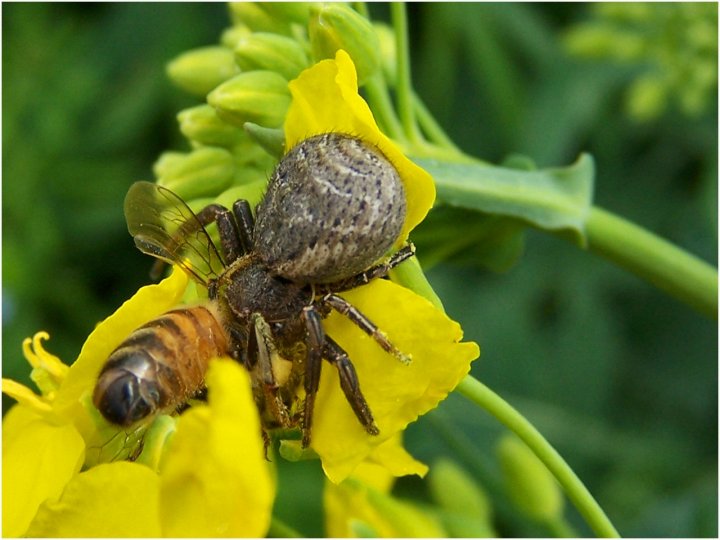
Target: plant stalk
403, 86
671, 269
576, 491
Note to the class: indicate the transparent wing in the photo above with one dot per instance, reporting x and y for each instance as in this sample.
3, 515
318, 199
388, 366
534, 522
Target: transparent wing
163, 226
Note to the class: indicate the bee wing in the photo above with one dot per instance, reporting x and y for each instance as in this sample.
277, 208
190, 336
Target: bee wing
163, 226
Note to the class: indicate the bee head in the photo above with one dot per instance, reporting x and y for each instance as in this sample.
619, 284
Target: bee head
123, 397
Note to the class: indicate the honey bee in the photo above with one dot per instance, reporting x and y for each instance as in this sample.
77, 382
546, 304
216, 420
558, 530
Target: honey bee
334, 207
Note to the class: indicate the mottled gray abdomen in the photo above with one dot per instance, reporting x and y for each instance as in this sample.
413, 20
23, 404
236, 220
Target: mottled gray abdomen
333, 207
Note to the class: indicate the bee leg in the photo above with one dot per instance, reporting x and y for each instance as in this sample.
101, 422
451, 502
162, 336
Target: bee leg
267, 356
344, 307
374, 272
349, 383
313, 363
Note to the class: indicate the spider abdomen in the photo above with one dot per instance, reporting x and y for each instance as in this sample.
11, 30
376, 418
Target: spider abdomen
334, 206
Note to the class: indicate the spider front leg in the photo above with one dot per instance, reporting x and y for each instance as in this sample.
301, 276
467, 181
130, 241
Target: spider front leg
313, 363
344, 307
320, 345
235, 229
350, 384
245, 224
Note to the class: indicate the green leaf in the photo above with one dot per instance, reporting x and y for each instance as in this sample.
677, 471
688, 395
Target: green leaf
554, 199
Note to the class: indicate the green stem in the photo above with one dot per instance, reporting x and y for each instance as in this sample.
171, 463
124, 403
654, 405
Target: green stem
432, 129
481, 395
382, 107
403, 86
411, 276
666, 266
379, 96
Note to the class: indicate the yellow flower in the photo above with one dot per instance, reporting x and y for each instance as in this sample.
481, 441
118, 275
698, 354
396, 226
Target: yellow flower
325, 99
211, 478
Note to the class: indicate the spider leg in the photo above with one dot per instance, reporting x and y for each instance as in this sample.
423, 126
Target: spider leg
313, 363
245, 224
374, 272
349, 383
344, 307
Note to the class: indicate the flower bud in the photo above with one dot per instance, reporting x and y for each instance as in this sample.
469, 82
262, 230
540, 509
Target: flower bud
261, 97
232, 35
404, 518
252, 192
293, 451
530, 485
337, 26
272, 52
297, 12
257, 18
647, 97
466, 510
272, 140
388, 52
202, 172
453, 489
200, 70
166, 162
201, 124
249, 154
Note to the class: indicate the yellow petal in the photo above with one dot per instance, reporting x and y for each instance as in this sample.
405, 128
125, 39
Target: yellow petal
26, 397
392, 457
38, 461
387, 461
397, 393
111, 500
149, 302
215, 479
345, 503
15, 421
325, 98
355, 501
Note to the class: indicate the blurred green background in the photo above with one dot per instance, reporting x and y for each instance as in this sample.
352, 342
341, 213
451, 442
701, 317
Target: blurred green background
622, 379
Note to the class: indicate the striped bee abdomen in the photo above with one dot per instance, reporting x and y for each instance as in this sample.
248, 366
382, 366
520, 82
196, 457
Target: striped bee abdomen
160, 365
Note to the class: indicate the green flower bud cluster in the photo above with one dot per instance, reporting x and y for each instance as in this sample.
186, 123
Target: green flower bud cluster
676, 43
236, 134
